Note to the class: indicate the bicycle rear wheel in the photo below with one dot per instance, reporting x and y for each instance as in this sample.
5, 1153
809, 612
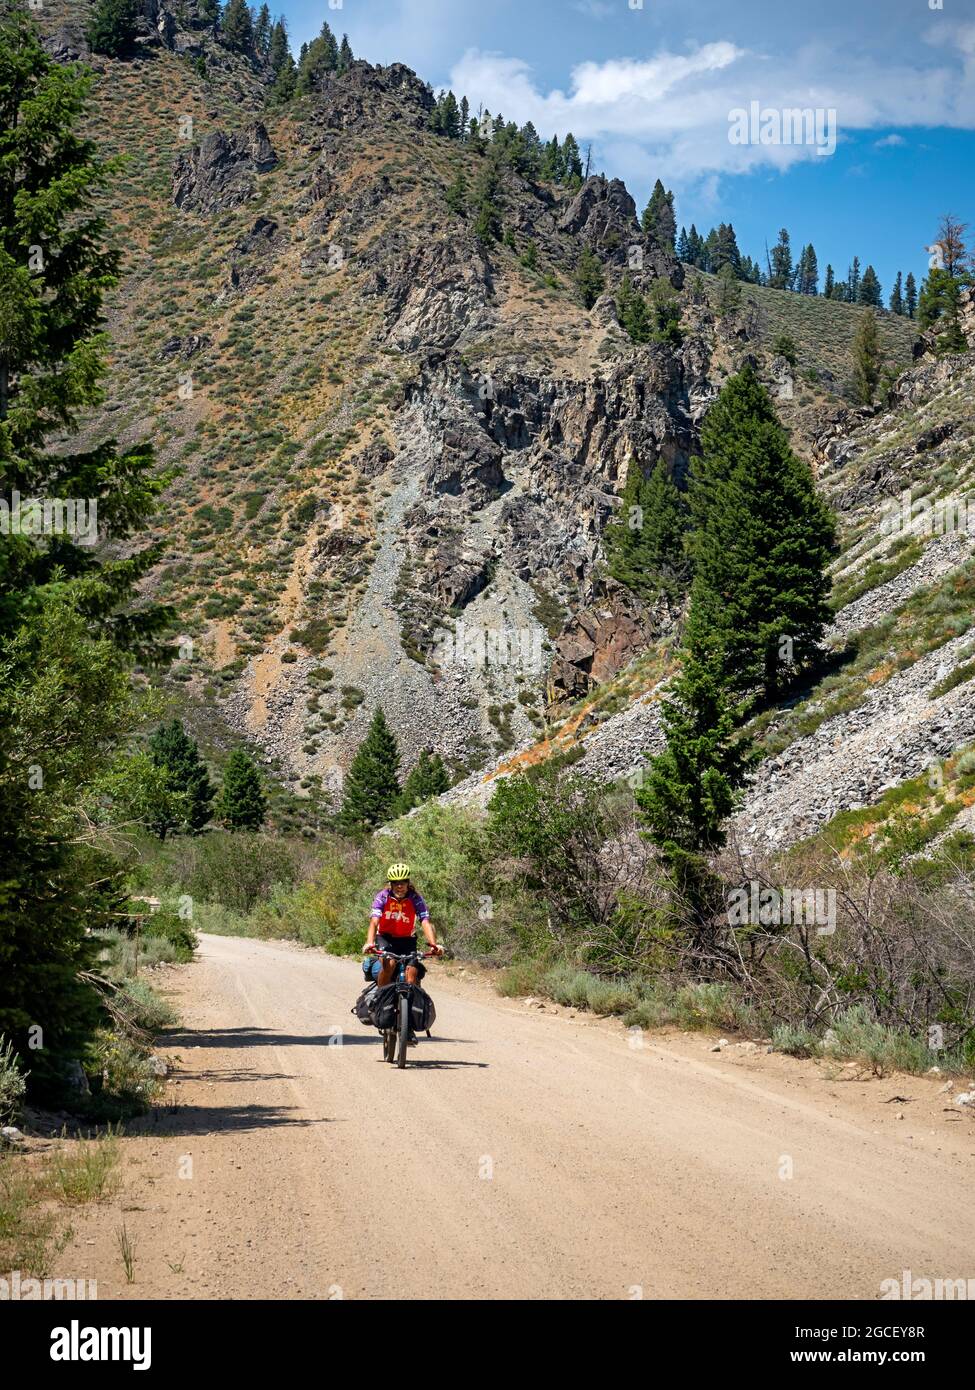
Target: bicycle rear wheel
404, 1030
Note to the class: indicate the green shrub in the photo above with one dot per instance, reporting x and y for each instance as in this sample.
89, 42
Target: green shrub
13, 1083
240, 870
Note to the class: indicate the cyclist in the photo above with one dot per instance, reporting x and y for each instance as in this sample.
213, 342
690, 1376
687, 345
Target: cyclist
392, 925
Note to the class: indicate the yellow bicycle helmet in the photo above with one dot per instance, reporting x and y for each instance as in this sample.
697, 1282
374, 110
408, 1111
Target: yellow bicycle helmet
398, 873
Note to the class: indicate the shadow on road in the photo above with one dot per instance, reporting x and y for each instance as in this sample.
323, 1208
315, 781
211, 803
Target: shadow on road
219, 1119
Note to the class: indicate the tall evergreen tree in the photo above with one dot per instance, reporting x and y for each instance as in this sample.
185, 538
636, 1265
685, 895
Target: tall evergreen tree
761, 541
866, 359
829, 283
695, 783
939, 306
869, 291
683, 246
457, 193
262, 31
552, 162
236, 25
372, 787
241, 804
346, 57
807, 280
429, 778
645, 541
897, 295
319, 58
69, 623
172, 749
588, 277
112, 28
658, 219
571, 161
487, 224
853, 281
782, 273
910, 294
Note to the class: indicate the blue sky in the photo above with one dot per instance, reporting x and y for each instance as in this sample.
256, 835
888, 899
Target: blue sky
651, 85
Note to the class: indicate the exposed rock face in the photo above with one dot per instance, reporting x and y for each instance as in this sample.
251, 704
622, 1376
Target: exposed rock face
366, 93
67, 44
603, 216
253, 253
600, 641
437, 293
220, 172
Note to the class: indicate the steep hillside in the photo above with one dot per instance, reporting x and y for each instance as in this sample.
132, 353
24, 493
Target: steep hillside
898, 703
397, 446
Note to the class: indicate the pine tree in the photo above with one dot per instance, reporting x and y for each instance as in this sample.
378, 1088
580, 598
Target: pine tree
457, 193
345, 58
262, 31
588, 278
172, 749
761, 541
897, 296
853, 281
683, 247
693, 786
241, 804
487, 224
372, 787
282, 66
644, 543
723, 249
807, 281
571, 162
658, 221
465, 118
530, 258
319, 58
939, 306
112, 28
552, 164
664, 311
910, 294
429, 778
866, 359
782, 275
869, 291
70, 621
238, 31
829, 284
729, 291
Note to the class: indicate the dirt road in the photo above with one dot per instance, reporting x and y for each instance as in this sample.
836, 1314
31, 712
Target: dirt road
522, 1154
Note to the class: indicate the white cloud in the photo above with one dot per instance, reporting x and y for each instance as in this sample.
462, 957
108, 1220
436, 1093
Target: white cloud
671, 110
889, 140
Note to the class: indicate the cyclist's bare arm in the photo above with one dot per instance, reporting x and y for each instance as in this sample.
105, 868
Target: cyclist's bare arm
430, 933
371, 937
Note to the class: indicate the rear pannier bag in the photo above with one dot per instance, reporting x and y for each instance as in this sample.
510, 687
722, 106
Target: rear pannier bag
363, 1005
422, 1012
384, 1007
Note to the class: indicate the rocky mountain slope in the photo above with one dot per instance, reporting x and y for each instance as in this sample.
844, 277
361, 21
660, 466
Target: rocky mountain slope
397, 448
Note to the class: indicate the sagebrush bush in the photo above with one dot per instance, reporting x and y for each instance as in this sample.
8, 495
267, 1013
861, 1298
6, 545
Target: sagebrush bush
13, 1083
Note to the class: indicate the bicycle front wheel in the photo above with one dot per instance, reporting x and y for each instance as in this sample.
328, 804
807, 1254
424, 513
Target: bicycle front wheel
404, 1030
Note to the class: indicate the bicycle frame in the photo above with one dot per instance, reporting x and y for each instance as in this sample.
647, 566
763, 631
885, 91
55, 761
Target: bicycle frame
396, 1039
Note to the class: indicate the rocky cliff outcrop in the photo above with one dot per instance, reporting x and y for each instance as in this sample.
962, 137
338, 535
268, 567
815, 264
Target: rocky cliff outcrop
221, 171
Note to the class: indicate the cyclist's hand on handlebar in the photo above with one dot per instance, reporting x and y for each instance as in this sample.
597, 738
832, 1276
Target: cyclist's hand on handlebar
370, 949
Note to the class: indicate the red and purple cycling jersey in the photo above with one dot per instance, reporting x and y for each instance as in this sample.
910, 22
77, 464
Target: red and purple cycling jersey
398, 916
